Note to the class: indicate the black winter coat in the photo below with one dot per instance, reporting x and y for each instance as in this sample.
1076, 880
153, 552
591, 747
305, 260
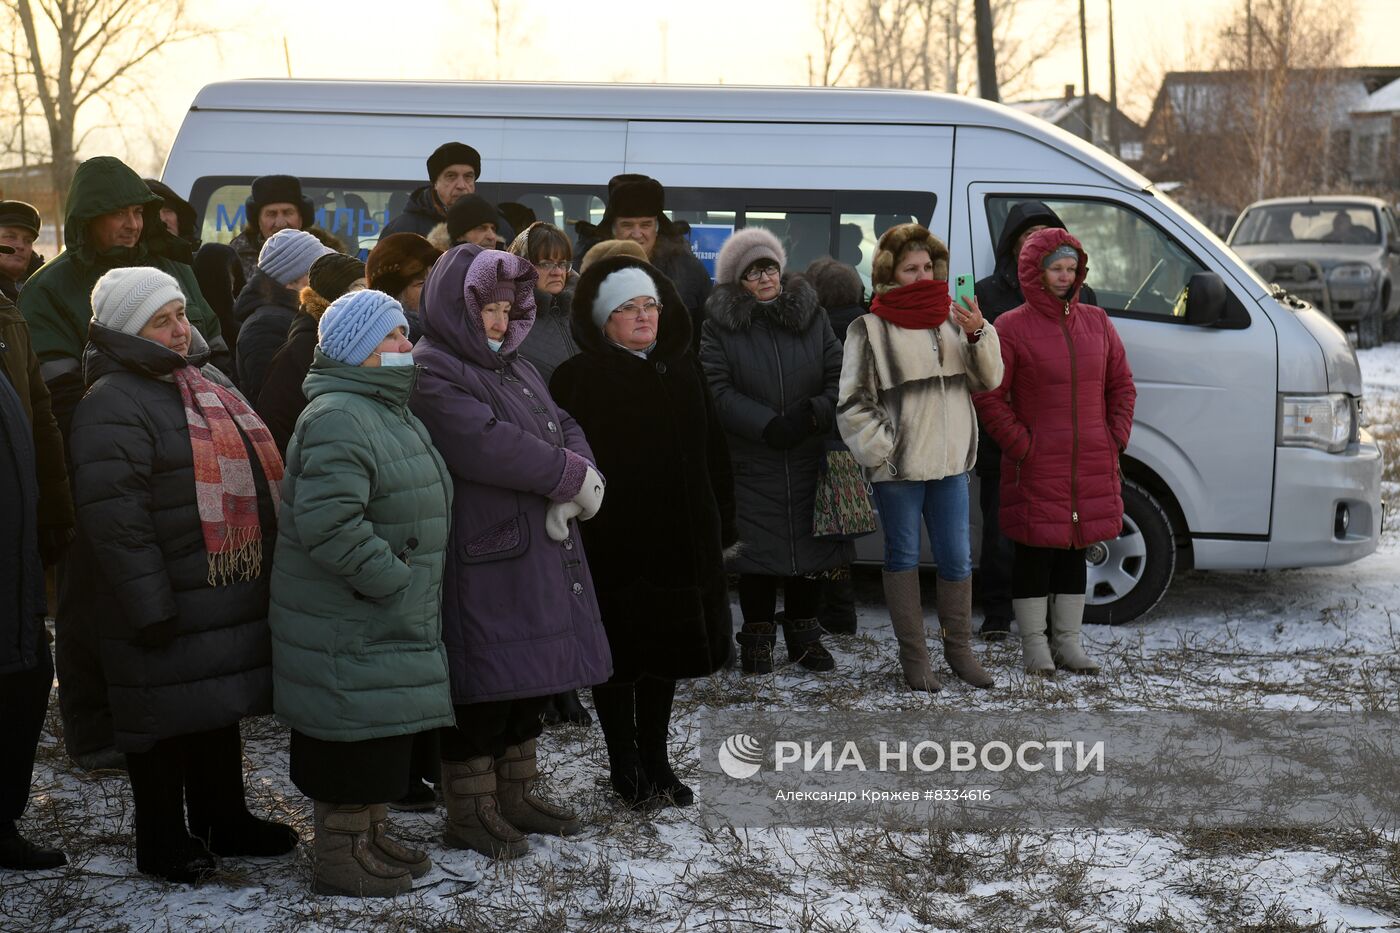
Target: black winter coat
282, 400
137, 513
841, 319
265, 311
420, 215
1001, 291
673, 257
23, 601
762, 362
551, 340
656, 546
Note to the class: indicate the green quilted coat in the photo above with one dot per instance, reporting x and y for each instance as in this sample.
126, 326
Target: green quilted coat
357, 647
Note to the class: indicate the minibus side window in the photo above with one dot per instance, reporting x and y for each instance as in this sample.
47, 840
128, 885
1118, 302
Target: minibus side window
1135, 268
353, 211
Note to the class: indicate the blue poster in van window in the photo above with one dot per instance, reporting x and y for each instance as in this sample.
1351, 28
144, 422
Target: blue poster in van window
706, 240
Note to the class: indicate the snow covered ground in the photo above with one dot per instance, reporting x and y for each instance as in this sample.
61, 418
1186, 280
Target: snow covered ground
1299, 640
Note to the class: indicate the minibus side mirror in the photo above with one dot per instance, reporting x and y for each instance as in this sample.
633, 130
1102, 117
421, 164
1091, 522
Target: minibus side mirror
1205, 300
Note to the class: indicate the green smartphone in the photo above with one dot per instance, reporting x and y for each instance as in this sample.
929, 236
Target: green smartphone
964, 291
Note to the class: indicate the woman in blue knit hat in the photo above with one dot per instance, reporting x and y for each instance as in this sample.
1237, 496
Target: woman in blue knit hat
359, 667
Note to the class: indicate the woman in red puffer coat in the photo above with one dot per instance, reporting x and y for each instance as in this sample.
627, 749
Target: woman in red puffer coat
1061, 416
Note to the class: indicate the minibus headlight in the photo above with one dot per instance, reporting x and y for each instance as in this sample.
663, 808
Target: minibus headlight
1322, 422
1352, 273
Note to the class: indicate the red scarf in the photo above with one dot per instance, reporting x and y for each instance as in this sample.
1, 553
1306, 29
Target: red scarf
223, 477
922, 305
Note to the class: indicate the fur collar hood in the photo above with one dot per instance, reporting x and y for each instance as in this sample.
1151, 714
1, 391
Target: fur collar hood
733, 308
673, 334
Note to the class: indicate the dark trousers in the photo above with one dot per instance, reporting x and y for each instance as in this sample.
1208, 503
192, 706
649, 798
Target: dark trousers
1040, 571
24, 699
489, 728
202, 771
82, 687
758, 597
358, 772
636, 717
998, 551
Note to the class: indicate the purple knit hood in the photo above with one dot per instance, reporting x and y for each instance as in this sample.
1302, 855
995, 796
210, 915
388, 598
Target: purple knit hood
461, 282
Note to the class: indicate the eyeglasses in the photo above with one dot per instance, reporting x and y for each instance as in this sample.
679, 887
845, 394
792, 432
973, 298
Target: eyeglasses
561, 266
753, 275
634, 311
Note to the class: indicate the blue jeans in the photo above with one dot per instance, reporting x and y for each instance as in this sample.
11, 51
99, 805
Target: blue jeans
943, 505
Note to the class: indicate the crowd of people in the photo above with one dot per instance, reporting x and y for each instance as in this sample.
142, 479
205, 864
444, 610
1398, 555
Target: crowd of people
413, 504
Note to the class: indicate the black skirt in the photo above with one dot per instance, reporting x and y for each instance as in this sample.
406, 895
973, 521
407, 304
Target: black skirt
368, 771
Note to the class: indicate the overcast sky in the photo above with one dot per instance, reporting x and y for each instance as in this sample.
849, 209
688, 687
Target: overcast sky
720, 41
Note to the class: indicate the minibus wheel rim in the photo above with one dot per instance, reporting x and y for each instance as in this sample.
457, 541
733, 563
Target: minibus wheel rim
1116, 567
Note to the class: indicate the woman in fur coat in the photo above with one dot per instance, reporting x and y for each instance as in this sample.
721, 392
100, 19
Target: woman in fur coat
773, 365
905, 410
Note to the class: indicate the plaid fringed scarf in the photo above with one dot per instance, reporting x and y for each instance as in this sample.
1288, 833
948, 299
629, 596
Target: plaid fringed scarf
223, 475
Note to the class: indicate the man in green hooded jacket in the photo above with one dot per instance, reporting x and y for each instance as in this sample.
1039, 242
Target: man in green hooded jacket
113, 220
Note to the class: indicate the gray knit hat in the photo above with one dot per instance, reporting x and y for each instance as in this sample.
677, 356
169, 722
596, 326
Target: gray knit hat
744, 248
288, 254
1064, 252
125, 299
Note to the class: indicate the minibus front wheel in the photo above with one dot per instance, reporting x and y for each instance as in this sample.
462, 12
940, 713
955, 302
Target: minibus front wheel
1129, 575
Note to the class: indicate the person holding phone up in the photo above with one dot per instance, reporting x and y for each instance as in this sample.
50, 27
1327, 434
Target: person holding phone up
904, 409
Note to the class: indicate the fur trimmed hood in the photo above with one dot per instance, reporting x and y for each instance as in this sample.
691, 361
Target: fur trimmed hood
312, 303
673, 330
439, 237
733, 308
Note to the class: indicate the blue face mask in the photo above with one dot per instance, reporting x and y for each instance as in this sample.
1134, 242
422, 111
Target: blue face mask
495, 345
396, 359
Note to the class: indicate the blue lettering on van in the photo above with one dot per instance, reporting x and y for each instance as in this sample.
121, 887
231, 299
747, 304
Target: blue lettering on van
222, 220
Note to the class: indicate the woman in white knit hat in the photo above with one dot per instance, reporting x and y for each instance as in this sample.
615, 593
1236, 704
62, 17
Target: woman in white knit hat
175, 482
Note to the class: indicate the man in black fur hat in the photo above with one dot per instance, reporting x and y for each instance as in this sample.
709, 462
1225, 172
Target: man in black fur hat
636, 211
453, 170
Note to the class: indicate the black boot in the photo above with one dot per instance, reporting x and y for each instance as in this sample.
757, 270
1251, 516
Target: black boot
164, 848
804, 643
19, 854
616, 706
756, 641
655, 698
994, 628
837, 608
214, 794
572, 710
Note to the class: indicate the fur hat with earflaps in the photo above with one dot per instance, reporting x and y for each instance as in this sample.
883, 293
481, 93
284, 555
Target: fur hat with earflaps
902, 239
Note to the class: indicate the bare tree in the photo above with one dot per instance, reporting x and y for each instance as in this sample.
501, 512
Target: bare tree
72, 56
1236, 133
931, 44
833, 28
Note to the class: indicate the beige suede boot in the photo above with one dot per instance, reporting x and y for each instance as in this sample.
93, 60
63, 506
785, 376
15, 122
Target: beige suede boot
955, 621
516, 773
474, 820
345, 860
1066, 630
907, 618
390, 850
1030, 618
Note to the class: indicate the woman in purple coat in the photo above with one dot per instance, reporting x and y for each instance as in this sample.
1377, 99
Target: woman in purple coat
519, 616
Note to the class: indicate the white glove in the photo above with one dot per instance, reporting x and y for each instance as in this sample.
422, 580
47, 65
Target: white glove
556, 519
590, 497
